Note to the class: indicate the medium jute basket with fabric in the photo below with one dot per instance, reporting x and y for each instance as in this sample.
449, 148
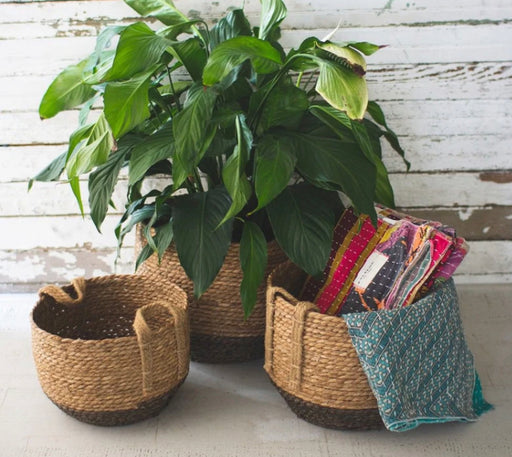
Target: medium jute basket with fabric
219, 331
310, 358
111, 350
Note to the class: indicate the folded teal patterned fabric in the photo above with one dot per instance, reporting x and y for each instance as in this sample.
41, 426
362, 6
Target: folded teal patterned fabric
417, 361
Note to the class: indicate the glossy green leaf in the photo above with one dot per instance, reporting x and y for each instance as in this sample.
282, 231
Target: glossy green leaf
275, 162
74, 183
163, 10
378, 115
343, 89
160, 241
285, 106
52, 171
202, 246
231, 53
273, 12
66, 91
336, 120
333, 164
153, 149
103, 41
192, 55
233, 174
89, 147
139, 47
253, 260
233, 25
363, 46
190, 127
303, 225
126, 103
103, 179
101, 186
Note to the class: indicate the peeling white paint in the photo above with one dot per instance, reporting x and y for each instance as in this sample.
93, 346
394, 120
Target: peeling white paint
486, 229
465, 214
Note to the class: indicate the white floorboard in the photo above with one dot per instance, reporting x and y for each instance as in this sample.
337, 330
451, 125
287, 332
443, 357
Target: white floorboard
233, 410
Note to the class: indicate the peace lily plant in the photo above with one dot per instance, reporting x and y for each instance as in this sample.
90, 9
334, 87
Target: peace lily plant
252, 141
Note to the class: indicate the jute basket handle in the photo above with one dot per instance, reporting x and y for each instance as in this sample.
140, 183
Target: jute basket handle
302, 309
61, 296
145, 337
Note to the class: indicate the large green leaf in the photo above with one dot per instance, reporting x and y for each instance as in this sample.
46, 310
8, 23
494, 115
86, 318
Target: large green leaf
285, 106
272, 14
126, 103
336, 120
327, 162
103, 179
192, 55
163, 10
157, 243
52, 171
191, 128
234, 24
153, 149
66, 91
139, 48
90, 148
303, 225
343, 89
378, 115
202, 246
275, 162
231, 53
101, 186
233, 174
253, 260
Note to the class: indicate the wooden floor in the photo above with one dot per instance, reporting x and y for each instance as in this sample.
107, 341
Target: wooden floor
232, 410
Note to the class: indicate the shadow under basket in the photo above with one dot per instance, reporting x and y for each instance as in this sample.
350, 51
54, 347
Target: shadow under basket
310, 359
219, 332
111, 350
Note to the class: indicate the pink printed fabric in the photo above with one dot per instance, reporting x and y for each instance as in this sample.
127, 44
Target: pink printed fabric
385, 267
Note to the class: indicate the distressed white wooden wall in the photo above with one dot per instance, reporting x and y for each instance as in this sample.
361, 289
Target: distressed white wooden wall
445, 82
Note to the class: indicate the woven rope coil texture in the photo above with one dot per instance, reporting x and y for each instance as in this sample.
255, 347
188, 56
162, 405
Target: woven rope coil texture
310, 355
115, 344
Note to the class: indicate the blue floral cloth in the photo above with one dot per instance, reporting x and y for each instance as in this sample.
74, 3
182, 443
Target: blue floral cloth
417, 361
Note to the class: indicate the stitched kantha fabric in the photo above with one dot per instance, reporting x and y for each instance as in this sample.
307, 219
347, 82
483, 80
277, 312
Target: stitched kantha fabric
417, 361
386, 266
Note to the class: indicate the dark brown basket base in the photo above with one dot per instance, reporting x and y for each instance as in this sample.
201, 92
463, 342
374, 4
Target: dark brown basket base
338, 419
224, 349
147, 409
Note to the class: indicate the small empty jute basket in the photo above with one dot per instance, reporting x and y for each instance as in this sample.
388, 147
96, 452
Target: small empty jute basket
219, 331
310, 358
111, 350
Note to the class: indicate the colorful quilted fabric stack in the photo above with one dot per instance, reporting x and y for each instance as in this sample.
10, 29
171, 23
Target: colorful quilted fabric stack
384, 267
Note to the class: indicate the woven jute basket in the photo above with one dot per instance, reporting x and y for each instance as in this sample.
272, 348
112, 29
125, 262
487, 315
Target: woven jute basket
111, 350
219, 333
311, 360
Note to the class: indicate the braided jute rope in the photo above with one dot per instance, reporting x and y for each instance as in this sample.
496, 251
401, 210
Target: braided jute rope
111, 350
310, 358
219, 331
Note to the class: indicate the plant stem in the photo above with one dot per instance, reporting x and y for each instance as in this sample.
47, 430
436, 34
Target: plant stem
198, 180
178, 104
299, 78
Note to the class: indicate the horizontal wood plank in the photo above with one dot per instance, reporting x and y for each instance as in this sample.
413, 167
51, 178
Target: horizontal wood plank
27, 270
400, 82
407, 118
406, 45
301, 13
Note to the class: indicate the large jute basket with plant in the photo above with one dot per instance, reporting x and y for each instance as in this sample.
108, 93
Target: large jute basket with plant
226, 136
219, 331
111, 350
310, 358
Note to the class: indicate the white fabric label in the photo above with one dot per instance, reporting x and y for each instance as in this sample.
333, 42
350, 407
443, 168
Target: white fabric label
370, 269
